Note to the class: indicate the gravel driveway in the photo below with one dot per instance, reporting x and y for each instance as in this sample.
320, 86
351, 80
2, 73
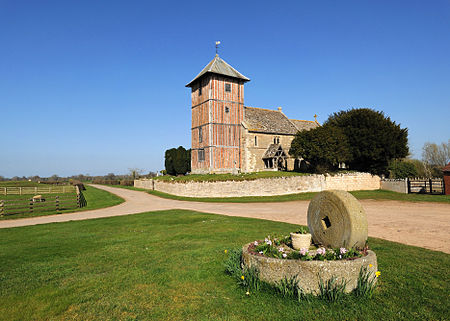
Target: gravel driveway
421, 224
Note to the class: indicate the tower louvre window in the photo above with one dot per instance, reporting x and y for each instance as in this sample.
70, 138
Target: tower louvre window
200, 89
228, 88
200, 135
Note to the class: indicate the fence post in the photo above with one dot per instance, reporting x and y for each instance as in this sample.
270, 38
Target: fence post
1, 207
31, 205
20, 190
431, 186
408, 186
57, 202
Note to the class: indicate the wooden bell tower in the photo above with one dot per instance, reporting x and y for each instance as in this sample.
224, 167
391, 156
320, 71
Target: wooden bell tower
217, 94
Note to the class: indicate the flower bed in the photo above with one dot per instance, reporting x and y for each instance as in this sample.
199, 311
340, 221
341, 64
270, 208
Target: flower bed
275, 260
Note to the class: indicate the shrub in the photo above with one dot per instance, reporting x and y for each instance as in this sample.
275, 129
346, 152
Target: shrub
177, 161
402, 169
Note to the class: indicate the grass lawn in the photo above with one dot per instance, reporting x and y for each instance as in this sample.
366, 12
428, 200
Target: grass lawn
168, 265
22, 184
361, 195
95, 197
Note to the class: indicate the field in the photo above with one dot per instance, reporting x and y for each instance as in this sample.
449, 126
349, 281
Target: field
95, 199
168, 265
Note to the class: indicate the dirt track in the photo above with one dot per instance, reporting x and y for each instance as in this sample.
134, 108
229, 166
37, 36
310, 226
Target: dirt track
420, 224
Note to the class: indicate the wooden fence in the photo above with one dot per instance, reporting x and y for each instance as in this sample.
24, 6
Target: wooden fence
14, 190
45, 203
425, 185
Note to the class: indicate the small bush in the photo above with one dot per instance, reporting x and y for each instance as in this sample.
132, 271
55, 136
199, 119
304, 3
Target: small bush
402, 169
127, 182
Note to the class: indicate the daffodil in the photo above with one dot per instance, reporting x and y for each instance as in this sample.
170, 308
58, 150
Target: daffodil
377, 273
242, 277
226, 251
248, 293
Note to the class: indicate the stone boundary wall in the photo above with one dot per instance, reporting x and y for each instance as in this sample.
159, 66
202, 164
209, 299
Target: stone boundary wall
395, 185
264, 186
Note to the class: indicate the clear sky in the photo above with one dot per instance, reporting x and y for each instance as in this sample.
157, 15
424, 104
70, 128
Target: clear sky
92, 87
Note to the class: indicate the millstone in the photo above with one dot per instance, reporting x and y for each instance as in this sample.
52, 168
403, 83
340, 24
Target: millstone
337, 219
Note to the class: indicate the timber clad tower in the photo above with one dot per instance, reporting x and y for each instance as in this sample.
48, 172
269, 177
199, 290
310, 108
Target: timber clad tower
217, 94
228, 137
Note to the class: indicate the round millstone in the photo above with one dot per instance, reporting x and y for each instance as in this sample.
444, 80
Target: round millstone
337, 219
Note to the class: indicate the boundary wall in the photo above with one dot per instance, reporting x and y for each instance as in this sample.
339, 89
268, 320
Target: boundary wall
264, 186
395, 185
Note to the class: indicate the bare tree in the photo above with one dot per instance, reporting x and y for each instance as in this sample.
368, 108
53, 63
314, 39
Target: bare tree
135, 172
435, 156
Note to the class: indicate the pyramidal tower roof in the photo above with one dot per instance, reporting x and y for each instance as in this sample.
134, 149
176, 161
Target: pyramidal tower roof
219, 66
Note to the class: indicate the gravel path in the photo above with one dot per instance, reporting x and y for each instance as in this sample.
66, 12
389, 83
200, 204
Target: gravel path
420, 224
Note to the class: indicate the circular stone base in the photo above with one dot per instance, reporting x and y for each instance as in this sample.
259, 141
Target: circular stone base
273, 270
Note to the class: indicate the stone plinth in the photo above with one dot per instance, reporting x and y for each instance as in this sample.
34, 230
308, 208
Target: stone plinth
273, 270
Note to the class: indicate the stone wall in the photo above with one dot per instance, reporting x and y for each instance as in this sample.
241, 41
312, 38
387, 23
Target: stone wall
264, 187
395, 185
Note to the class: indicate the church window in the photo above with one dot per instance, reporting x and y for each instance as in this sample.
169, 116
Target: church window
276, 140
201, 155
256, 140
228, 88
200, 135
227, 110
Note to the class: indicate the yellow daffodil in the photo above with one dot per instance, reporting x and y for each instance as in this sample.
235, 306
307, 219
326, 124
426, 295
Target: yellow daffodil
377, 273
226, 251
248, 293
370, 265
242, 277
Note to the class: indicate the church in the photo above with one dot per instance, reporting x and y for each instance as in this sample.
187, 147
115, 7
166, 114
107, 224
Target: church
229, 137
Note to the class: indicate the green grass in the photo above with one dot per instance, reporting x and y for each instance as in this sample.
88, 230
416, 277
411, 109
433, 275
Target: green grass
361, 195
23, 184
168, 265
96, 198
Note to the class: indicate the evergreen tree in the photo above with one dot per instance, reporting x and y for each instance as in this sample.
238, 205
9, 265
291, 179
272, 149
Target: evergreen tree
323, 147
374, 139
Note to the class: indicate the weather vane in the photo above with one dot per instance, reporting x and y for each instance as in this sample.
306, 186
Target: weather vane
217, 47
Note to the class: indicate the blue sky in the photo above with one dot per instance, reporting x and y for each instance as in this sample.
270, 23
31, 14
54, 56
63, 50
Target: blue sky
94, 87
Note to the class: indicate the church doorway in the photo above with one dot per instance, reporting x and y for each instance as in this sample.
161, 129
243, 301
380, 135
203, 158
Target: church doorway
275, 158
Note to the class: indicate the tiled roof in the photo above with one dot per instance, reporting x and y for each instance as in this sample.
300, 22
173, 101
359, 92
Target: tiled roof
268, 121
274, 150
446, 169
219, 66
304, 124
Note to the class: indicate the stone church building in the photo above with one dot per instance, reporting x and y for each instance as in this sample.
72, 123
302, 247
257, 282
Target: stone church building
228, 137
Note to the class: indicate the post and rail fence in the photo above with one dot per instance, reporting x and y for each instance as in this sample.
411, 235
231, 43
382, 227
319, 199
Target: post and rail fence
71, 198
16, 190
425, 185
